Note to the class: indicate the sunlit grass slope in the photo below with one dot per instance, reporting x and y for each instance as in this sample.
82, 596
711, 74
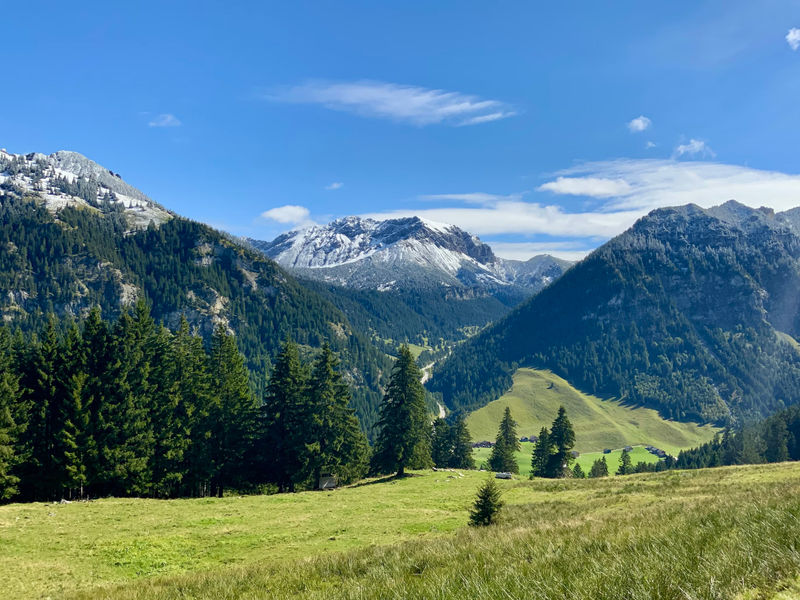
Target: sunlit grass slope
638, 454
717, 533
536, 395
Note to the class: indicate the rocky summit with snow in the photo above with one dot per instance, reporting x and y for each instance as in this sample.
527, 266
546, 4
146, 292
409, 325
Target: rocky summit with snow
404, 253
70, 179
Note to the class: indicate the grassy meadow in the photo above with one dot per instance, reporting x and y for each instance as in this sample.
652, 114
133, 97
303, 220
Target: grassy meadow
534, 399
720, 533
613, 458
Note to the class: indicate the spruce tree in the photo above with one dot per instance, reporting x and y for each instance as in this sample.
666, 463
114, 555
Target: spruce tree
577, 472
403, 426
287, 418
562, 437
9, 428
486, 509
461, 444
233, 410
625, 465
599, 468
506, 444
542, 451
776, 436
337, 444
442, 444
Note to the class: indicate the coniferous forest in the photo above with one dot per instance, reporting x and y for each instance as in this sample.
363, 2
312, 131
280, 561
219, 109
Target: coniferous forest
132, 408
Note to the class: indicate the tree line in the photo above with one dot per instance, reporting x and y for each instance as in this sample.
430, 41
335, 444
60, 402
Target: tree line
132, 408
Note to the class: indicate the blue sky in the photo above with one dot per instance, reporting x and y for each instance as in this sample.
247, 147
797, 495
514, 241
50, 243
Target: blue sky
538, 127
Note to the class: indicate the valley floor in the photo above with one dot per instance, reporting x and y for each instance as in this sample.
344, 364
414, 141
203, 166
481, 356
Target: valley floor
719, 533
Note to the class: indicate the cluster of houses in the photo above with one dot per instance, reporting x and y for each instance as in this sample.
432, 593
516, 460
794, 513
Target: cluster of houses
657, 451
485, 444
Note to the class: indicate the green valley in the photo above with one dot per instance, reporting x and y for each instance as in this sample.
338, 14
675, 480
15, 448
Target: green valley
599, 423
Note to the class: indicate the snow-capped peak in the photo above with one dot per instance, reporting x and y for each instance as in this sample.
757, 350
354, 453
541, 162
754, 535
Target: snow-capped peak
366, 253
67, 178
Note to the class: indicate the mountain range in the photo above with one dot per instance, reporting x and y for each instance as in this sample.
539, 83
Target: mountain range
694, 312
405, 253
74, 235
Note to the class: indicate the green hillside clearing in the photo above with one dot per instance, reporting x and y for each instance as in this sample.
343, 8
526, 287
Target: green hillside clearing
638, 454
729, 533
534, 400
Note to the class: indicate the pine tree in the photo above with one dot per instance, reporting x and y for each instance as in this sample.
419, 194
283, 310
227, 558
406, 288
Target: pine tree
338, 444
41, 386
125, 435
506, 444
577, 472
233, 410
625, 465
599, 468
95, 350
542, 451
488, 503
287, 420
776, 436
404, 429
9, 428
461, 444
562, 437
441, 444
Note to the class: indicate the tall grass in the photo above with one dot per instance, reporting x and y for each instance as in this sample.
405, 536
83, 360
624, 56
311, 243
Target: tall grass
712, 535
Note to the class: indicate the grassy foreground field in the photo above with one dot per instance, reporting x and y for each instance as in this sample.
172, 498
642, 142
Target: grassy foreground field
534, 399
723, 533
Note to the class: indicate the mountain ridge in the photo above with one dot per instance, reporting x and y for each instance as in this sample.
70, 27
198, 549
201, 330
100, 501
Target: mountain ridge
682, 313
404, 252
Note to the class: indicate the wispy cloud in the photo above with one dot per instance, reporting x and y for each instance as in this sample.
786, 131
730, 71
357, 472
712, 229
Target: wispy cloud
164, 120
653, 183
616, 193
695, 148
597, 187
569, 250
289, 214
404, 103
650, 145
334, 186
793, 38
639, 124
472, 198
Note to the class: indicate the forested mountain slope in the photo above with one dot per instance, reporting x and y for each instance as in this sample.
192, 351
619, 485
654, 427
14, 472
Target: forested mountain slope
69, 242
690, 311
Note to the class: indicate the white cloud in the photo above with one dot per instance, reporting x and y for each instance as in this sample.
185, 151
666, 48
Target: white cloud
650, 144
472, 198
653, 183
289, 214
524, 250
618, 192
334, 186
695, 148
639, 124
517, 217
793, 38
597, 187
164, 120
404, 103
